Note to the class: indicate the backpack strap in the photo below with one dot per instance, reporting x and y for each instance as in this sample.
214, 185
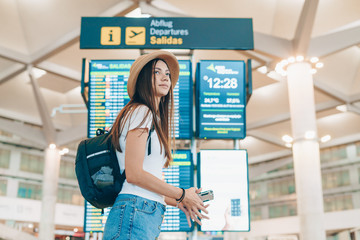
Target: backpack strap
149, 139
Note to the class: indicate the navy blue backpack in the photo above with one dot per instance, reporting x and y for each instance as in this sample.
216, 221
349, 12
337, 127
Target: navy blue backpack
97, 170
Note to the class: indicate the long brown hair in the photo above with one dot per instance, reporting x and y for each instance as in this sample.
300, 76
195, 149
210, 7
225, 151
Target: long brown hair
145, 95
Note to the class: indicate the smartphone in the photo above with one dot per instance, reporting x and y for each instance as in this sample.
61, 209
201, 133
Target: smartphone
206, 196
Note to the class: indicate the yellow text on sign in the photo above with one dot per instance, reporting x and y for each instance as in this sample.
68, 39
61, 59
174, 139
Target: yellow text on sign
110, 35
135, 36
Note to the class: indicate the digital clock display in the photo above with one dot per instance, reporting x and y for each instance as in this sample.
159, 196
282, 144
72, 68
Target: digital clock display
220, 99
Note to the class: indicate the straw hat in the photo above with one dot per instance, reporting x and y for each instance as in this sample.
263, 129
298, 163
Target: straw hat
141, 61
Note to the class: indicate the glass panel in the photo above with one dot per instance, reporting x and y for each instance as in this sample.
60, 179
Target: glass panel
67, 170
255, 191
333, 154
255, 213
336, 179
280, 188
29, 190
4, 158
283, 210
338, 203
3, 187
70, 196
358, 148
32, 163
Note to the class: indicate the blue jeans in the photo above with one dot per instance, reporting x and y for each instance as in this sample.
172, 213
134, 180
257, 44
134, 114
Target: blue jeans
133, 217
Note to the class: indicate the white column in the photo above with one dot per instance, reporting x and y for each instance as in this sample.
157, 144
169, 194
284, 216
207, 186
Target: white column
49, 194
306, 152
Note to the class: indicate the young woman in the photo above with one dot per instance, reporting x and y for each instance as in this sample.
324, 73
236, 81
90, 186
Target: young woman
141, 135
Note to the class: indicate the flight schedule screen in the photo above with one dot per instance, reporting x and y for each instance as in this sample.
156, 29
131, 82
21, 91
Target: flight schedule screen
221, 99
179, 174
107, 92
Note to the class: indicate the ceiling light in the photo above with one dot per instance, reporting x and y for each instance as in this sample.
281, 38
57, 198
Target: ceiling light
52, 146
291, 59
342, 108
314, 59
76, 230
319, 65
287, 138
325, 138
299, 58
65, 150
288, 145
284, 62
310, 135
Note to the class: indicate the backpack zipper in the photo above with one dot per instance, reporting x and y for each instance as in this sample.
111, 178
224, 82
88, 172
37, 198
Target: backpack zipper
97, 153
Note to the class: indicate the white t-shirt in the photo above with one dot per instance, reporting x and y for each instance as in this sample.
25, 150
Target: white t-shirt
153, 163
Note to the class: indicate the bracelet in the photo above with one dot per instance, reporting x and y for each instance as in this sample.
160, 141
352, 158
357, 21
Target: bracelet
182, 196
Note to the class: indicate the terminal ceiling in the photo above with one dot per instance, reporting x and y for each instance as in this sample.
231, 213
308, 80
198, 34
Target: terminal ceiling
45, 34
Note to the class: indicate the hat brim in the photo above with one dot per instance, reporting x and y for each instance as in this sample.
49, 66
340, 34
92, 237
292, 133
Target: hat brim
141, 61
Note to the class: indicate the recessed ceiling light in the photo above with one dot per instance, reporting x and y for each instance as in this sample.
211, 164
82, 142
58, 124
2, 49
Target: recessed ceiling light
310, 135
325, 138
287, 139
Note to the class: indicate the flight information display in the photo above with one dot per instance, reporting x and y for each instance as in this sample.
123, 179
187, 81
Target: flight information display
226, 173
220, 99
108, 95
183, 100
95, 218
107, 92
179, 174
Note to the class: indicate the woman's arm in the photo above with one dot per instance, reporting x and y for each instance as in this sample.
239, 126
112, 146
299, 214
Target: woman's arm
135, 174
170, 201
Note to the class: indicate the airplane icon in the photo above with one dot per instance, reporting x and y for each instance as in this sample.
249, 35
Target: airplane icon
135, 34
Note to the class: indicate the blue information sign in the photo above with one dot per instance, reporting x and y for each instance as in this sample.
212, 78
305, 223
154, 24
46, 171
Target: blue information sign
179, 174
221, 99
170, 33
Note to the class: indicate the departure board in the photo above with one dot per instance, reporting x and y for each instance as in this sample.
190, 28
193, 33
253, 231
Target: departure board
179, 174
220, 99
107, 92
95, 219
183, 101
108, 95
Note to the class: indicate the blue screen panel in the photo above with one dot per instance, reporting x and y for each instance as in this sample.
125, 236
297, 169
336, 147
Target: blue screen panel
179, 174
221, 99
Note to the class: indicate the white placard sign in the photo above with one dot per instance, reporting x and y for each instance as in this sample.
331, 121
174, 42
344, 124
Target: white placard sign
226, 173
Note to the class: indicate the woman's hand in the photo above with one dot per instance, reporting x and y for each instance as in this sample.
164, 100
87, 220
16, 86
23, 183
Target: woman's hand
193, 204
187, 213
